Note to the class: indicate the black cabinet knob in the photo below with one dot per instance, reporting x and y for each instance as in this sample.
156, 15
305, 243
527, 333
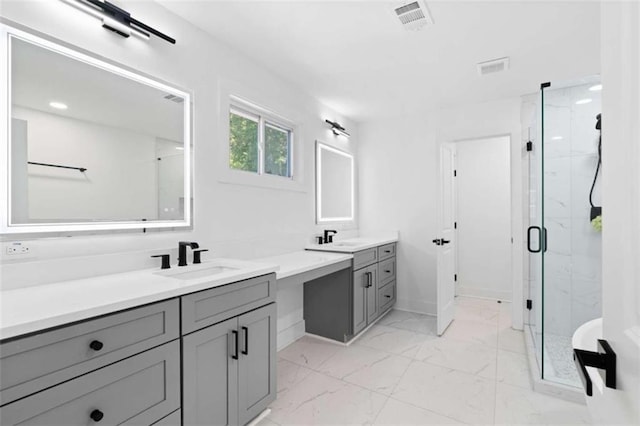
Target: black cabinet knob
96, 415
96, 345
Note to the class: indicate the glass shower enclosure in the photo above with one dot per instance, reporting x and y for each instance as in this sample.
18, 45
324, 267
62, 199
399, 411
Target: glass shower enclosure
562, 218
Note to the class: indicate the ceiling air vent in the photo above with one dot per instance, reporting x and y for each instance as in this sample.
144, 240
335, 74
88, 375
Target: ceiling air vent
414, 15
174, 98
493, 66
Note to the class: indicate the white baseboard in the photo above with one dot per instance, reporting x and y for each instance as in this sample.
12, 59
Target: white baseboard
483, 293
290, 334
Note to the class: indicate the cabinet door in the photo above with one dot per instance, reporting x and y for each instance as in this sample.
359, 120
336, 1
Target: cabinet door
210, 375
257, 367
372, 294
360, 283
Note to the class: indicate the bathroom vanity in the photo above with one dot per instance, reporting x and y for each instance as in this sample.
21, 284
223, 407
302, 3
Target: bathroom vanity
369, 287
207, 354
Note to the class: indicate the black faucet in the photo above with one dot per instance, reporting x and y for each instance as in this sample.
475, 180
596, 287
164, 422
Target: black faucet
328, 236
182, 251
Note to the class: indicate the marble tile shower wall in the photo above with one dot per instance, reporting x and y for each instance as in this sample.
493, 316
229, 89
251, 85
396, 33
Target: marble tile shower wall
572, 288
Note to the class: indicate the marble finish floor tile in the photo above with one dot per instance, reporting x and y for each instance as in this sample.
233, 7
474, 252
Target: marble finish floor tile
290, 374
477, 313
465, 397
477, 302
399, 374
367, 367
393, 340
512, 340
519, 406
400, 413
478, 332
462, 355
513, 369
309, 352
322, 400
410, 321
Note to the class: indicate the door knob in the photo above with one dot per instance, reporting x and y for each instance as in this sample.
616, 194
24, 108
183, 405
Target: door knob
443, 241
437, 241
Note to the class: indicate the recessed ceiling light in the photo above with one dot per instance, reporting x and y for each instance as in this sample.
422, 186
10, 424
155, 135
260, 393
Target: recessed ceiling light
584, 101
557, 138
596, 88
58, 105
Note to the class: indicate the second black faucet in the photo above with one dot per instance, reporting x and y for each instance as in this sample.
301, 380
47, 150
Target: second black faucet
182, 251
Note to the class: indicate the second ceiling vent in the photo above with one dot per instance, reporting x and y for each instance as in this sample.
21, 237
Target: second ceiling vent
493, 66
414, 15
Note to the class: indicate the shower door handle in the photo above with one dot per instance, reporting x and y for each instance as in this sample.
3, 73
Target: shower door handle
544, 240
537, 228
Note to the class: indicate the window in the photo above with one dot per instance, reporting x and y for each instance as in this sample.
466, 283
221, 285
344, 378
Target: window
259, 143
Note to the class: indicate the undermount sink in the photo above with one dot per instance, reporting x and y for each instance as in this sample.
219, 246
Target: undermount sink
347, 244
195, 272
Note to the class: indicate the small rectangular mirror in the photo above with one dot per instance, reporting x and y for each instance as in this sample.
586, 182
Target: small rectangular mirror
88, 145
335, 180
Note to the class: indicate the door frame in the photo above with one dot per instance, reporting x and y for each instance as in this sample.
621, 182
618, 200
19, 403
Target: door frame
516, 158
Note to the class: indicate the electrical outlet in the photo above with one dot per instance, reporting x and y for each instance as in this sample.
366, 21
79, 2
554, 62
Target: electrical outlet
17, 249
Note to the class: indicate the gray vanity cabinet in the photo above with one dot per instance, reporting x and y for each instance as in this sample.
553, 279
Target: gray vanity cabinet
136, 391
365, 297
229, 368
257, 363
210, 385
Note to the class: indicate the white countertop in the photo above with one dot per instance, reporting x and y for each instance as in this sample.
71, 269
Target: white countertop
298, 262
352, 245
31, 309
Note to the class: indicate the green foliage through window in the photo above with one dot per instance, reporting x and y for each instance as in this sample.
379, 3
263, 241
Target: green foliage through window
243, 143
276, 151
248, 152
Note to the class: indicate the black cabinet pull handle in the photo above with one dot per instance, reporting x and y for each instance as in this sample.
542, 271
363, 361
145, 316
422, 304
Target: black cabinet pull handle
96, 415
235, 344
387, 271
387, 296
245, 351
387, 251
96, 345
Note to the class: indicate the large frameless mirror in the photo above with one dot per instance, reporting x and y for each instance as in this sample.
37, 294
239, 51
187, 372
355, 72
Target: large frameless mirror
335, 182
88, 145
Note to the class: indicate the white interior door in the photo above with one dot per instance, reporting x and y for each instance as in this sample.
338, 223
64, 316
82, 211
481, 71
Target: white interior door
445, 242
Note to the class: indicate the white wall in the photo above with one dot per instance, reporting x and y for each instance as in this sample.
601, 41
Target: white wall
398, 162
226, 215
241, 221
121, 170
483, 243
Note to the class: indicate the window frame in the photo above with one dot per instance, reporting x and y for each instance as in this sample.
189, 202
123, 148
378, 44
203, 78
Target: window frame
264, 118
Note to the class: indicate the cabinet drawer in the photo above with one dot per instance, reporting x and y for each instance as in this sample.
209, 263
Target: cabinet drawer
173, 419
364, 258
387, 270
387, 296
386, 251
37, 362
137, 391
212, 306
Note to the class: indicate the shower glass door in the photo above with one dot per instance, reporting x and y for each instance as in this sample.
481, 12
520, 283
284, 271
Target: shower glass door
570, 259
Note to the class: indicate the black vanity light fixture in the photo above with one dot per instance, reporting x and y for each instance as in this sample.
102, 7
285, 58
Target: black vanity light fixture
337, 129
117, 20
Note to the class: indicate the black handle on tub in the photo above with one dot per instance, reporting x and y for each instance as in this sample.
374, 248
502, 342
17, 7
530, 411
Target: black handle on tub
235, 344
529, 229
604, 359
245, 351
